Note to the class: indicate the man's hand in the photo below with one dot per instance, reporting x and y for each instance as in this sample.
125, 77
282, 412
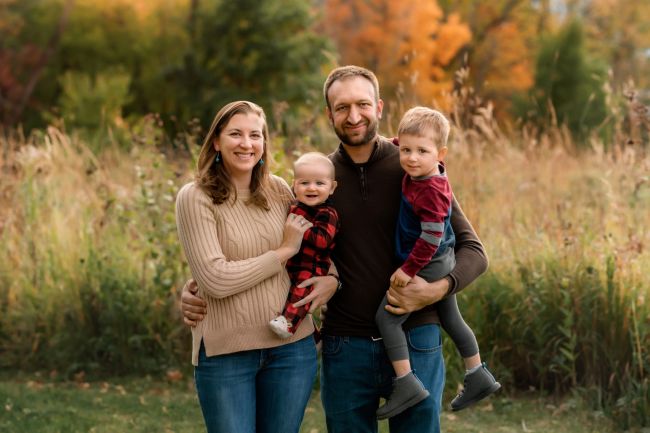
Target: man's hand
193, 307
324, 289
415, 295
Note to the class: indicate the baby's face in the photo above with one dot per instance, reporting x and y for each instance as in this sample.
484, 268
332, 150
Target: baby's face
313, 183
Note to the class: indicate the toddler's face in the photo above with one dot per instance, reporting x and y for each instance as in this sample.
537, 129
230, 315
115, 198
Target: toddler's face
419, 156
313, 183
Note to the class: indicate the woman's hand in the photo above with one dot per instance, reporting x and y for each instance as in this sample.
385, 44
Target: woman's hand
294, 229
323, 290
193, 307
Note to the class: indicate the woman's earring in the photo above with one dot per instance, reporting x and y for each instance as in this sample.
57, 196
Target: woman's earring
261, 162
218, 157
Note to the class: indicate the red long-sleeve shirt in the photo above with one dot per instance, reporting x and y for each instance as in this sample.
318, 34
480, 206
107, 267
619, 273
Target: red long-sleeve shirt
430, 199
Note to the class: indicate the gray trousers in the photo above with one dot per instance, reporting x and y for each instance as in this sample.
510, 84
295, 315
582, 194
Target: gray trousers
390, 325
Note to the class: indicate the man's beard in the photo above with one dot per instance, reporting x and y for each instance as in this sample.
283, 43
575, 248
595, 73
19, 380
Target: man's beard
371, 133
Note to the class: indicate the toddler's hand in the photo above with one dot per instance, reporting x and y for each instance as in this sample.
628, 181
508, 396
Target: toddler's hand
399, 278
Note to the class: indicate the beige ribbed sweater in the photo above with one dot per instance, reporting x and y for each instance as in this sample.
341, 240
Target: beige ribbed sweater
229, 250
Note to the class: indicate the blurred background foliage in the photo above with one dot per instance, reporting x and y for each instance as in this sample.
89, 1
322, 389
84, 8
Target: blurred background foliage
103, 103
95, 64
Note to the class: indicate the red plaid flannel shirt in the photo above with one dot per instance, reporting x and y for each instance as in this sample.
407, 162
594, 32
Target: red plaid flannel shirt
313, 259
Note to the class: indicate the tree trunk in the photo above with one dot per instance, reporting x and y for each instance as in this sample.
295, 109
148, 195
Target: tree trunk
53, 44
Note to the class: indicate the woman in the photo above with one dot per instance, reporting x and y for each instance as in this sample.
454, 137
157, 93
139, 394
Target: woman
233, 226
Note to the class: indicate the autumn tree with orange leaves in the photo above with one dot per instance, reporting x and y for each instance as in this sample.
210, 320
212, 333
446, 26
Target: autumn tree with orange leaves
500, 56
407, 43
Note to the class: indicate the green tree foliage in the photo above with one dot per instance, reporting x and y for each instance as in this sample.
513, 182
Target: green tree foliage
262, 51
30, 39
96, 38
180, 59
569, 85
93, 103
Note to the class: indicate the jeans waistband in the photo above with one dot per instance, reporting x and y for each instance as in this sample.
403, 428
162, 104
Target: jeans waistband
363, 337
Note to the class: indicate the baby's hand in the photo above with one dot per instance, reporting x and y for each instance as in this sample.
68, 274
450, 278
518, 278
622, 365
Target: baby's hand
399, 278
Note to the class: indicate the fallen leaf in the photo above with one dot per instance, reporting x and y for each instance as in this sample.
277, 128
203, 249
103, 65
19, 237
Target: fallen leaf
79, 377
487, 407
34, 385
174, 375
120, 389
451, 417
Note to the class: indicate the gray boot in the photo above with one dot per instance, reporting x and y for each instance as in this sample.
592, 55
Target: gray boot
476, 386
407, 391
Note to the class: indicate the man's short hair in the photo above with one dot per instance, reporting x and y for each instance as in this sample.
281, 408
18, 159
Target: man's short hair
343, 72
420, 120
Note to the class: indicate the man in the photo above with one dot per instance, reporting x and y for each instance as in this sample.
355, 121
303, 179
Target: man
355, 369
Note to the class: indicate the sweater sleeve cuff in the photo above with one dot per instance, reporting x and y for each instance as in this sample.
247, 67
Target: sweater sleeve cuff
452, 284
270, 260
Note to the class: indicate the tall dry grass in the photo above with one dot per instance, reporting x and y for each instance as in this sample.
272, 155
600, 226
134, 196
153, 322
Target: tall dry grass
564, 303
91, 263
563, 306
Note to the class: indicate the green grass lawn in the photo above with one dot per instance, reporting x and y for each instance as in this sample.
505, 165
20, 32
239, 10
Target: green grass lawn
33, 404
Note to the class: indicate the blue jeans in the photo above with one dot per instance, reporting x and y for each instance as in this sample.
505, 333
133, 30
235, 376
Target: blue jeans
256, 391
356, 372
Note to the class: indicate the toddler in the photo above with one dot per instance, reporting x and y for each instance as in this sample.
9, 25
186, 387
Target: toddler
425, 244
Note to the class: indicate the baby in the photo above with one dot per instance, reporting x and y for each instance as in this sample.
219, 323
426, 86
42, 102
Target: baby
313, 184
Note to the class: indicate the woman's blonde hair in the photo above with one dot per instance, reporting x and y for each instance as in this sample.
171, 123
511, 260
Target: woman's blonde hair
213, 178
